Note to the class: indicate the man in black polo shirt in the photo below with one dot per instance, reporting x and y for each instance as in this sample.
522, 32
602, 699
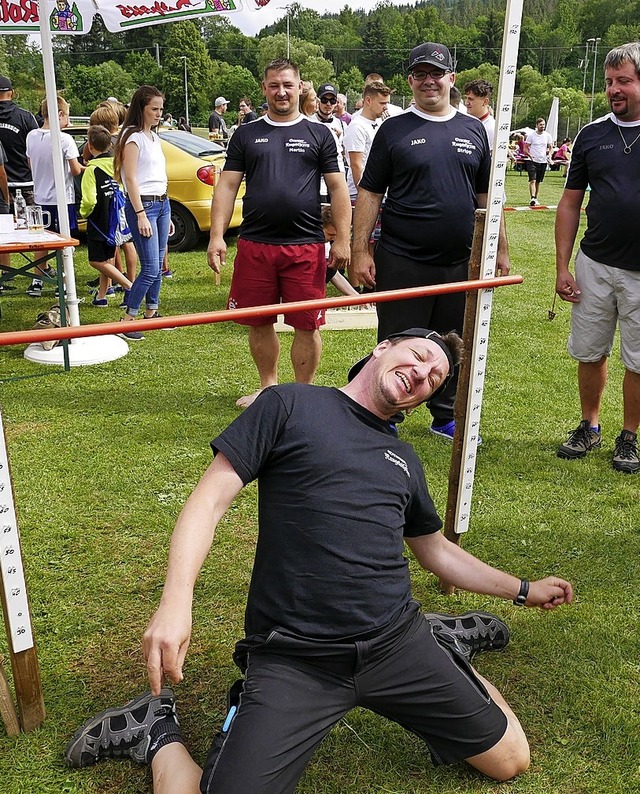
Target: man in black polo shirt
281, 252
330, 622
434, 165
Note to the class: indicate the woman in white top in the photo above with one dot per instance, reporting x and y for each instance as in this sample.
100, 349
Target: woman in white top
140, 165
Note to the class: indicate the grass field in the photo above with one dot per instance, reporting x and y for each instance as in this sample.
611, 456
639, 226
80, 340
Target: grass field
103, 458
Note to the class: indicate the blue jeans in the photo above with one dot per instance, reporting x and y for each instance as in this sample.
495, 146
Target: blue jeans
150, 252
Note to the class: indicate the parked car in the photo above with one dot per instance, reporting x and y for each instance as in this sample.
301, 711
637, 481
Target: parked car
193, 164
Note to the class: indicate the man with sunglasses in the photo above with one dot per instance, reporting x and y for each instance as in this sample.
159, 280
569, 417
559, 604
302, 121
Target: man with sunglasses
330, 622
433, 164
326, 112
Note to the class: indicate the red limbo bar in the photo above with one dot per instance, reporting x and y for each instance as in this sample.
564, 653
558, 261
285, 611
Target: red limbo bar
180, 320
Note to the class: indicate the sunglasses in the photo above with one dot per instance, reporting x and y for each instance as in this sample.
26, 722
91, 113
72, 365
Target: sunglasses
328, 100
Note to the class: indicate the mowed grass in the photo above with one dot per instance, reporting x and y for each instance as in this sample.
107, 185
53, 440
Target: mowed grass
103, 458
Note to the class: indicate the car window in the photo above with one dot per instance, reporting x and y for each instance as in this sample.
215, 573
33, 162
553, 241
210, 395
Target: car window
191, 144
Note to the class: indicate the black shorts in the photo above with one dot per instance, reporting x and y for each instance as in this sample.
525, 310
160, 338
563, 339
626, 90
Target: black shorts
99, 250
536, 171
297, 689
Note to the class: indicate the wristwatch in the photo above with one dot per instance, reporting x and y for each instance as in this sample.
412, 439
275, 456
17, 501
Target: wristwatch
521, 598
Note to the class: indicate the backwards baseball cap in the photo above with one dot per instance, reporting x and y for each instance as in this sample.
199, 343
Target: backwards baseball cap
431, 53
5, 83
412, 333
221, 101
327, 88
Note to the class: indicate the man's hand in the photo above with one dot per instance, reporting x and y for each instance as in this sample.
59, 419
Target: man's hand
339, 255
566, 287
549, 593
217, 253
503, 264
165, 644
362, 269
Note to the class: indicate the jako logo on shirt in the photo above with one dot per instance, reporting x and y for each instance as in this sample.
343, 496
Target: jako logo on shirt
416, 141
398, 461
262, 140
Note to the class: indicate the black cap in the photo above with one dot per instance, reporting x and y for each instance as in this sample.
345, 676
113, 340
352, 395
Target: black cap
432, 53
5, 83
327, 88
412, 333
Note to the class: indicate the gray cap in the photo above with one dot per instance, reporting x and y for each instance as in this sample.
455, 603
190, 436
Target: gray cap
221, 101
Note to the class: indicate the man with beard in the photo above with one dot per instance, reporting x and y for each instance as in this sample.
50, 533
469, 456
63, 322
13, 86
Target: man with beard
605, 290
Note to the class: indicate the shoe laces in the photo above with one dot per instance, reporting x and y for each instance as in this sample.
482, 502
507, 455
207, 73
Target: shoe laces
581, 435
627, 448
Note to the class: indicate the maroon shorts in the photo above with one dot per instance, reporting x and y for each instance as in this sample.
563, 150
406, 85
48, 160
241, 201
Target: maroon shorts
265, 274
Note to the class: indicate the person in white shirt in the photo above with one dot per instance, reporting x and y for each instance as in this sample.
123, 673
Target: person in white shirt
360, 133
477, 100
538, 146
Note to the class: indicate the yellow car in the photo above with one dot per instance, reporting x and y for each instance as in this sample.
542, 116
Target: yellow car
193, 165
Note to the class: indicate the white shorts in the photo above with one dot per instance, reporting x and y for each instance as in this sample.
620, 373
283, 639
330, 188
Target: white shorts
608, 296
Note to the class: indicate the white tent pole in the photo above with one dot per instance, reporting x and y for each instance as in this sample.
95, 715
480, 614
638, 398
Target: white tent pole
71, 297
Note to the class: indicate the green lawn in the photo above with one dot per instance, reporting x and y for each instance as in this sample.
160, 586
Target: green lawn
103, 458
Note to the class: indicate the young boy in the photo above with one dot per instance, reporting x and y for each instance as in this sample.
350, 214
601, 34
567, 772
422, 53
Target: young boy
97, 196
106, 115
41, 164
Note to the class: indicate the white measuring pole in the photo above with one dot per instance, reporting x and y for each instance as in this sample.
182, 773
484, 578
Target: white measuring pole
508, 66
17, 617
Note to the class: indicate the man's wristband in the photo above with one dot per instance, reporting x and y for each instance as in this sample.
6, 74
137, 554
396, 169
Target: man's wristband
139, 212
521, 598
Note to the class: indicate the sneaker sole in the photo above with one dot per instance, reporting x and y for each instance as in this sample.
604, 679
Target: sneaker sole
627, 468
566, 454
440, 433
129, 339
473, 614
132, 705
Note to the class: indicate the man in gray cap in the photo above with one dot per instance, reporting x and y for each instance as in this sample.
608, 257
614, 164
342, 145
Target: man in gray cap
434, 165
15, 125
217, 124
330, 622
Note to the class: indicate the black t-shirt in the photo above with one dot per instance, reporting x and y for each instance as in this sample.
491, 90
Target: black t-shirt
613, 212
282, 163
337, 492
432, 171
15, 125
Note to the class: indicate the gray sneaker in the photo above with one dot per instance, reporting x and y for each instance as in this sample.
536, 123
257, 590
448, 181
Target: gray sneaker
625, 454
580, 441
470, 633
121, 732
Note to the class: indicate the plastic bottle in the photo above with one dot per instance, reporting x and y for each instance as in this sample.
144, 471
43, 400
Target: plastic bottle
20, 210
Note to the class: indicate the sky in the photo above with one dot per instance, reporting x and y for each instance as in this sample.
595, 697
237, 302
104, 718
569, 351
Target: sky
251, 22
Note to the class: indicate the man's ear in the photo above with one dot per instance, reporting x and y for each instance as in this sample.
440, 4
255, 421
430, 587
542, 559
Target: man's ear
380, 348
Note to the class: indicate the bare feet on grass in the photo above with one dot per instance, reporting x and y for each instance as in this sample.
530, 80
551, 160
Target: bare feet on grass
245, 402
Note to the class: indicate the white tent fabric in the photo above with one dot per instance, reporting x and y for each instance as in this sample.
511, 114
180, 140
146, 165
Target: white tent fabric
552, 121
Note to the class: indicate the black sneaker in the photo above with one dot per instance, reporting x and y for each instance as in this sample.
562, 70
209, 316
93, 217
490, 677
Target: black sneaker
131, 336
471, 633
625, 454
93, 283
580, 441
35, 290
121, 732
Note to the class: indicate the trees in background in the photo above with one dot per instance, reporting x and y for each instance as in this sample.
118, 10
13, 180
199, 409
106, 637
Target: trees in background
553, 59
